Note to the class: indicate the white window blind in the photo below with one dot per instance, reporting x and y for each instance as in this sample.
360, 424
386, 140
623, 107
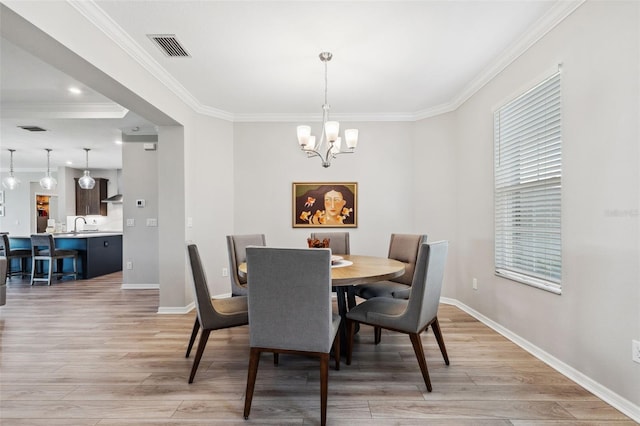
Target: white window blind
528, 184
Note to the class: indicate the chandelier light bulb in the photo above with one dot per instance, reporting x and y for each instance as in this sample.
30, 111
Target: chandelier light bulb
48, 182
351, 138
11, 182
86, 181
304, 132
332, 130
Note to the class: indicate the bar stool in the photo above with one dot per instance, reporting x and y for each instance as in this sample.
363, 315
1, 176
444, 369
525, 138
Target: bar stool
43, 249
21, 254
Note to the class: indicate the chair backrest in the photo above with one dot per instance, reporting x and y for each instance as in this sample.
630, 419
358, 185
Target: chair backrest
422, 306
3, 270
236, 248
41, 242
338, 241
206, 313
290, 298
4, 244
404, 248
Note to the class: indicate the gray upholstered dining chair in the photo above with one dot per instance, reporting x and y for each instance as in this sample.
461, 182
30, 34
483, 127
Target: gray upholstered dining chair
411, 316
403, 248
212, 314
22, 255
290, 310
338, 241
236, 248
43, 249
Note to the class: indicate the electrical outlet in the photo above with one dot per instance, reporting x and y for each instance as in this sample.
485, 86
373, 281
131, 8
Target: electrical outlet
129, 265
131, 222
474, 283
635, 351
225, 272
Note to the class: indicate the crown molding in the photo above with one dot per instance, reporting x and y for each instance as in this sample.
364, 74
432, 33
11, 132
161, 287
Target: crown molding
99, 18
63, 110
91, 11
550, 20
297, 118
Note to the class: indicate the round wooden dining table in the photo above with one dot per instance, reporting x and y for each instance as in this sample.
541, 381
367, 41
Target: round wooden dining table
351, 270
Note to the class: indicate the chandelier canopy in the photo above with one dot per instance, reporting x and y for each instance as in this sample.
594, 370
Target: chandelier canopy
330, 143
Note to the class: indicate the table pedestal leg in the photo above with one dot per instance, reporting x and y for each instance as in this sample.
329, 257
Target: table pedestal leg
342, 310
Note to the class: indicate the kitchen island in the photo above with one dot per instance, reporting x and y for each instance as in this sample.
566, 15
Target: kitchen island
99, 253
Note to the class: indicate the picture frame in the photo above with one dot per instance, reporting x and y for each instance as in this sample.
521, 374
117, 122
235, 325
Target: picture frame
325, 204
1, 210
1, 197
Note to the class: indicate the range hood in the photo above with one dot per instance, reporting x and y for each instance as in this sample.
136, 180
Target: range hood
117, 198
114, 199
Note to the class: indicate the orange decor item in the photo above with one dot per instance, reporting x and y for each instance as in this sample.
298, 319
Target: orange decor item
317, 243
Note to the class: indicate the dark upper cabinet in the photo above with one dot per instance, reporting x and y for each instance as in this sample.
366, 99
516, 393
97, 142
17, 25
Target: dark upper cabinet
89, 201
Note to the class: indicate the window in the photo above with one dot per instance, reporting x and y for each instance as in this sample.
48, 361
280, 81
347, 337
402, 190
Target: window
528, 183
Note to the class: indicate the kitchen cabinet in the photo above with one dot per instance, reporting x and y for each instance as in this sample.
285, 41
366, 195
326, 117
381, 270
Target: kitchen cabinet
89, 201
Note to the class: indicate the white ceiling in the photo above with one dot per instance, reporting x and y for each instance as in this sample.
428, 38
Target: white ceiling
258, 60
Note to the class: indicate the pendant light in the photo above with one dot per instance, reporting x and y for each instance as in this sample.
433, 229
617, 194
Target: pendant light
48, 182
11, 182
86, 181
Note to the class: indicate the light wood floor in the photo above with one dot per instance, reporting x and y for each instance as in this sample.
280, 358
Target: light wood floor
89, 353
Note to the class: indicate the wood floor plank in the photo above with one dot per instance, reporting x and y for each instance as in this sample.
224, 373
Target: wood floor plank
88, 353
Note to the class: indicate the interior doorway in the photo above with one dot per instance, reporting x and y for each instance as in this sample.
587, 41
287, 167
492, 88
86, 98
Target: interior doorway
46, 212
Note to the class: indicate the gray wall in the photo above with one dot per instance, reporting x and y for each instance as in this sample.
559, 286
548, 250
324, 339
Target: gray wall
140, 242
591, 325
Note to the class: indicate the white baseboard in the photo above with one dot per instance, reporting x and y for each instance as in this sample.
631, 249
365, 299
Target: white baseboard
140, 286
624, 405
180, 310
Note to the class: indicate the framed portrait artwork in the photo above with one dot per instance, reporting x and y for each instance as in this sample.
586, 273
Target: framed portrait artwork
325, 204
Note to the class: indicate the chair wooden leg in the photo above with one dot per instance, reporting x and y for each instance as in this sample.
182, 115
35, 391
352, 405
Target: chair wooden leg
377, 335
254, 360
419, 350
351, 328
324, 388
194, 334
435, 326
276, 358
204, 336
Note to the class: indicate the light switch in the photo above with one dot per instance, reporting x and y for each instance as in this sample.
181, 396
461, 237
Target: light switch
152, 222
131, 222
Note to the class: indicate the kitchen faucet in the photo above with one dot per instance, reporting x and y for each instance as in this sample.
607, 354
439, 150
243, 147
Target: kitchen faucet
75, 223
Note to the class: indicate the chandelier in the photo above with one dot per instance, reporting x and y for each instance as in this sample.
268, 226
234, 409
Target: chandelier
86, 181
11, 182
330, 143
48, 182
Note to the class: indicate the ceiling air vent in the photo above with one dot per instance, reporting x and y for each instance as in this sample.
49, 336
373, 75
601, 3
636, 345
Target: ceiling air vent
33, 128
169, 45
